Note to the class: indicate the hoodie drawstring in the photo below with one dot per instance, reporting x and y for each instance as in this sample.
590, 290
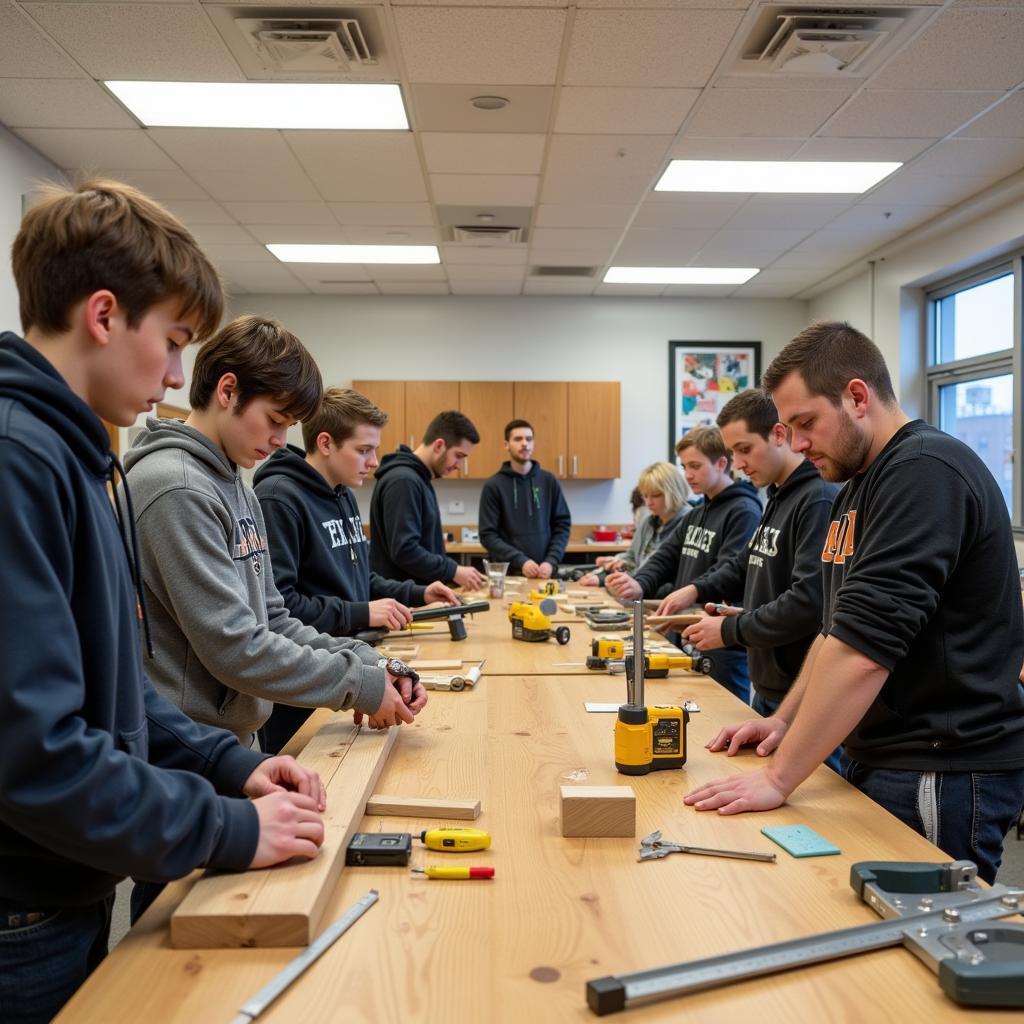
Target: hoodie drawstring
130, 541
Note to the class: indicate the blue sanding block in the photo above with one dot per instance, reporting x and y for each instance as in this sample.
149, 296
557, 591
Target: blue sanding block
800, 841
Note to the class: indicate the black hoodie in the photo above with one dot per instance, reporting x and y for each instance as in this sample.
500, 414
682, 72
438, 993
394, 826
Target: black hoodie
523, 517
319, 552
407, 542
777, 578
82, 801
709, 535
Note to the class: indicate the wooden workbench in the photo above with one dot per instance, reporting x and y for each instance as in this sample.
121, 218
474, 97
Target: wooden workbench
560, 911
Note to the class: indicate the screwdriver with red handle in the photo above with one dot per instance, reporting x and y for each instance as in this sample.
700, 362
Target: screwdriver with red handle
455, 871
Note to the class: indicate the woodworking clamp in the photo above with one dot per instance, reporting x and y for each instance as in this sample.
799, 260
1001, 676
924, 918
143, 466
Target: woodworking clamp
653, 847
937, 911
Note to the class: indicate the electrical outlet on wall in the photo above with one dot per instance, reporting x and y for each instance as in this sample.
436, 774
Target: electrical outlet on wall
457, 508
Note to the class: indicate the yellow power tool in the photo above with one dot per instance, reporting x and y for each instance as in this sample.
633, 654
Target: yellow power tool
532, 622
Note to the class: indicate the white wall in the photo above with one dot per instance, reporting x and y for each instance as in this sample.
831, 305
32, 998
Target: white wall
530, 338
19, 167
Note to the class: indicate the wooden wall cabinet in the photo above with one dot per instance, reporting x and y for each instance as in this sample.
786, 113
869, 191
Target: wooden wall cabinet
489, 406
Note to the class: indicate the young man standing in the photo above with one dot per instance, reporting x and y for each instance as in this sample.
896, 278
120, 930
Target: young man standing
776, 579
524, 519
406, 540
101, 777
318, 549
707, 537
922, 634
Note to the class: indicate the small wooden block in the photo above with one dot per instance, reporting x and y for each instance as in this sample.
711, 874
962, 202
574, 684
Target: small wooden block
428, 663
397, 651
598, 811
415, 807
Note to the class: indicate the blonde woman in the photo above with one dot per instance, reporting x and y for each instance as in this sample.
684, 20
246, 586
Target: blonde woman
664, 493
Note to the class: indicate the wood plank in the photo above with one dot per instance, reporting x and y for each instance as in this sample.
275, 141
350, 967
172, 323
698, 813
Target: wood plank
432, 663
283, 905
422, 807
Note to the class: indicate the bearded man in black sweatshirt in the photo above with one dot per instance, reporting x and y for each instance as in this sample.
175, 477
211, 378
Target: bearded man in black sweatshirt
922, 634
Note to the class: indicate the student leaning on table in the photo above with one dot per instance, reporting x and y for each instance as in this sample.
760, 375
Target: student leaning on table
663, 490
102, 777
922, 637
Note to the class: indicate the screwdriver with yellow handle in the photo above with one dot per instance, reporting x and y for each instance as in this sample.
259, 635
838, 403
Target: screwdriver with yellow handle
456, 840
434, 871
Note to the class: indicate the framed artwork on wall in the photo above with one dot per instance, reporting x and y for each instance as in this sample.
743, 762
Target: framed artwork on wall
702, 377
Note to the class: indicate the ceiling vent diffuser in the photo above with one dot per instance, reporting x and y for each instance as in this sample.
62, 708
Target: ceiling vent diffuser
487, 234
318, 45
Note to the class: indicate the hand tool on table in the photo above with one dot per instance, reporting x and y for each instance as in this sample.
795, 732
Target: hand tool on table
459, 682
609, 654
549, 588
532, 622
647, 739
456, 840
937, 911
653, 847
607, 619
252, 1008
379, 849
453, 613
454, 871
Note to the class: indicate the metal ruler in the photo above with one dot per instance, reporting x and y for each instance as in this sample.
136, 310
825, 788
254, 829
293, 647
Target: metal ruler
254, 1006
982, 966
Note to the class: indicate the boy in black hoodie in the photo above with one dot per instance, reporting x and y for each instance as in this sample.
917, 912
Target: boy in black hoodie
707, 537
318, 550
524, 519
777, 578
922, 633
407, 542
112, 288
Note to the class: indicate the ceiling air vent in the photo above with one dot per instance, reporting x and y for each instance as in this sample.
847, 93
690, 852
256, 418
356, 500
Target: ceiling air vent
562, 271
319, 44
830, 41
486, 234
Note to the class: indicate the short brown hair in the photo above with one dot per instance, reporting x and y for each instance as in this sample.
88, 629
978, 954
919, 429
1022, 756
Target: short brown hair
105, 235
708, 441
452, 427
266, 359
753, 407
341, 411
828, 355
516, 425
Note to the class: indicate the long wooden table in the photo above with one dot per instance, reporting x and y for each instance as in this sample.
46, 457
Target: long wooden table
560, 911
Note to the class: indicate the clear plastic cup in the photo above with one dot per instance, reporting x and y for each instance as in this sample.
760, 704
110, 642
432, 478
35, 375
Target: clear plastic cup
496, 573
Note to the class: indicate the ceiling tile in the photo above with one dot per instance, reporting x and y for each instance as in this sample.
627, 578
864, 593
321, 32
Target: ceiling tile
734, 258
344, 288
328, 233
250, 253
501, 45
398, 214
773, 283
739, 5
894, 216
408, 272
476, 272
487, 287
199, 211
58, 103
775, 241
602, 169
353, 166
258, 185
610, 111
280, 213
485, 189
1006, 121
559, 285
27, 53
447, 108
130, 40
823, 263
629, 289
910, 187
688, 148
365, 234
217, 234
496, 255
482, 153
678, 48
764, 212
257, 278
684, 214
988, 46
564, 215
568, 257
471, 3
767, 113
165, 186
862, 149
314, 273
813, 83
702, 291
588, 239
660, 247
92, 148
413, 287
882, 114
969, 157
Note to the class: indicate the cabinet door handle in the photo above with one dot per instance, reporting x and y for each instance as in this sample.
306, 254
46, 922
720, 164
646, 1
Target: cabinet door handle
561, 465
575, 467
412, 441
465, 467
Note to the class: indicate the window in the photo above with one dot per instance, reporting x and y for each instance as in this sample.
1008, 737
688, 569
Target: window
974, 346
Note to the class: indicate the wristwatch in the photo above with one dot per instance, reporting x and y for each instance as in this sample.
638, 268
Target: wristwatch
397, 667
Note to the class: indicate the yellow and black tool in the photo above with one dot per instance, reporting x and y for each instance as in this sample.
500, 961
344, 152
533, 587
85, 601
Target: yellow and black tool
456, 840
609, 654
647, 739
532, 622
547, 589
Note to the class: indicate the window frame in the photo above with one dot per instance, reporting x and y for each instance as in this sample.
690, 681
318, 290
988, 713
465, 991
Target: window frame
973, 368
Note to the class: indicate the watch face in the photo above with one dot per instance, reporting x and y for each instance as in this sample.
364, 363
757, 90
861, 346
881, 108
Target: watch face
397, 667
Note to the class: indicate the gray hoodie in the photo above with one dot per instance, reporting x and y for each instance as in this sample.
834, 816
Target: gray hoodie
225, 646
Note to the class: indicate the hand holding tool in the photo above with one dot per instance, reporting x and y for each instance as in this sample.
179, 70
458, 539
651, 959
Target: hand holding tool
653, 847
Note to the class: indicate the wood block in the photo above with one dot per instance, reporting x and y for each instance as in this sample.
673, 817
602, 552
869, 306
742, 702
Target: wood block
432, 663
417, 807
598, 811
405, 652
284, 905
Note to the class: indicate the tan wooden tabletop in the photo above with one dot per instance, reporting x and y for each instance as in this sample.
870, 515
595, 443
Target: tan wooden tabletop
559, 911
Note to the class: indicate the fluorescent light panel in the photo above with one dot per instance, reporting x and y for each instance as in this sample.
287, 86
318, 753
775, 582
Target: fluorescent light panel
679, 275
355, 253
797, 176
263, 105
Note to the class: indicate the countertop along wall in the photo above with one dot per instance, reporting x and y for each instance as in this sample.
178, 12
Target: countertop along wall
530, 338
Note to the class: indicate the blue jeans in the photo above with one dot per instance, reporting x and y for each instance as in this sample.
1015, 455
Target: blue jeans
43, 963
729, 669
766, 708
967, 814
